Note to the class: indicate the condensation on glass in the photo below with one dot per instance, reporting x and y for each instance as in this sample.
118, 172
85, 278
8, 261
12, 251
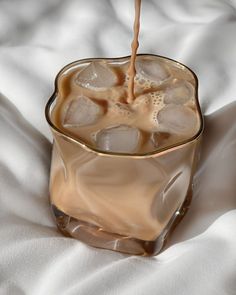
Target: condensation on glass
123, 202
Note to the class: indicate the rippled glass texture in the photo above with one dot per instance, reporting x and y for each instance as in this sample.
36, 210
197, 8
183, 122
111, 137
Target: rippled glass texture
127, 203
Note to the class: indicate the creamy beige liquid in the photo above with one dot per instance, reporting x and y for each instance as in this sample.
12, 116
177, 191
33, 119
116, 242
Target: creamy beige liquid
131, 197
173, 95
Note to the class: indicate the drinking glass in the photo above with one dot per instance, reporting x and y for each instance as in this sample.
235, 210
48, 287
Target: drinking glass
123, 202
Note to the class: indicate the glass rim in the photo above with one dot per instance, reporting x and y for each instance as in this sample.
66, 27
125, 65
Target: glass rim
90, 148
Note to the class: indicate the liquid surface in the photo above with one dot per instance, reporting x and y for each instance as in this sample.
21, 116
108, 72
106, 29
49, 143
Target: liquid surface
92, 105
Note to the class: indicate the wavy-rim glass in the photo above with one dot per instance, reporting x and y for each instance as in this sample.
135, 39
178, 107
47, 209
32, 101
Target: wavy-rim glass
90, 148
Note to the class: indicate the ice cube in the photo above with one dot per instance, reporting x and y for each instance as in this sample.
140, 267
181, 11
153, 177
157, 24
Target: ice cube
177, 119
179, 93
97, 76
82, 111
120, 139
152, 70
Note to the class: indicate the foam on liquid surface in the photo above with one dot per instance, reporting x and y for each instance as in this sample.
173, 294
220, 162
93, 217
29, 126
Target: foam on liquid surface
92, 105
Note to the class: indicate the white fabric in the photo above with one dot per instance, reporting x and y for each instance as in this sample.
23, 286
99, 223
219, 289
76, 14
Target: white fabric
36, 39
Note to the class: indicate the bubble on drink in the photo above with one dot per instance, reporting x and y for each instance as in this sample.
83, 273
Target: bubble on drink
119, 139
152, 71
82, 111
179, 93
97, 76
177, 119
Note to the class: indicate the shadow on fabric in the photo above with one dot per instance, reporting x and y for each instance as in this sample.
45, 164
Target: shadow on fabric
214, 182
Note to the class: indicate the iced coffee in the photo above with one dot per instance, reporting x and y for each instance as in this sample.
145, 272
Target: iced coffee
122, 168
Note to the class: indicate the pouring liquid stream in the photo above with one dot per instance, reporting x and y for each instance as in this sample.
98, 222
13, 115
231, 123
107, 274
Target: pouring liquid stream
134, 47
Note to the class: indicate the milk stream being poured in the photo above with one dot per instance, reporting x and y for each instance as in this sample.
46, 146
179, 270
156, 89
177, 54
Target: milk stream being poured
134, 47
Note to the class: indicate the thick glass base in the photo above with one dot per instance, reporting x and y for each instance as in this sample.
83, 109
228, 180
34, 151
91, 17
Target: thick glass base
97, 237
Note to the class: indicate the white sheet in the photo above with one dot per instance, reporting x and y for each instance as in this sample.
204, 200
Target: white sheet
36, 39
